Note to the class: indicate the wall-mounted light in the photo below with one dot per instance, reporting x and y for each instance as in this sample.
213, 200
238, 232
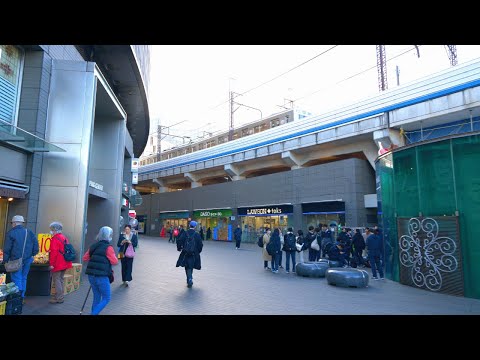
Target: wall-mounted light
10, 199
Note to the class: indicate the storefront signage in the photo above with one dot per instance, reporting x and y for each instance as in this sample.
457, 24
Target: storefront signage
271, 210
135, 164
324, 207
95, 185
134, 178
212, 213
174, 215
44, 242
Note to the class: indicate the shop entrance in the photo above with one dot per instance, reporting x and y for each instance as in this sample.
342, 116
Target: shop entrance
167, 223
254, 226
218, 228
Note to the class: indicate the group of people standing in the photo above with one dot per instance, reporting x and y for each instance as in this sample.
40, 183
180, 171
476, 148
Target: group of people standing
347, 249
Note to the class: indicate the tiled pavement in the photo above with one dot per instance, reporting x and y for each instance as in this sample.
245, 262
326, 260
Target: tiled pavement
233, 282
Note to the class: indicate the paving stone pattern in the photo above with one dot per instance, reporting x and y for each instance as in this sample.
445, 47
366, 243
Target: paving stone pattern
234, 282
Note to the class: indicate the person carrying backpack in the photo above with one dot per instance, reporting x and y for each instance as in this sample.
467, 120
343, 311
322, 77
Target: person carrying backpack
58, 263
290, 249
190, 246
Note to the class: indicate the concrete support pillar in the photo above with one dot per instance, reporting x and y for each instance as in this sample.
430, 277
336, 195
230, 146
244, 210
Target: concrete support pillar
387, 137
235, 172
370, 150
292, 160
162, 188
193, 179
237, 177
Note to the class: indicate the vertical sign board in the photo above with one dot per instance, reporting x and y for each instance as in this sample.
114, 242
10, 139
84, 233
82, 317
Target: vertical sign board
135, 164
44, 242
134, 178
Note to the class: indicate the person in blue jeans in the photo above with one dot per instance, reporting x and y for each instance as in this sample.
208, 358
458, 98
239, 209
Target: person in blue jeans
290, 250
100, 256
20, 243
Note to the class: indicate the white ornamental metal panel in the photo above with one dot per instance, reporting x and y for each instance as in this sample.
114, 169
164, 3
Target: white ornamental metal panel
430, 254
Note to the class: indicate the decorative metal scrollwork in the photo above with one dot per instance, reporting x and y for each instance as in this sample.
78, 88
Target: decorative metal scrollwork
427, 254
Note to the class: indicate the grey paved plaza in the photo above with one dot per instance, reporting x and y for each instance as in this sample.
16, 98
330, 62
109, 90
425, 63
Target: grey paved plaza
234, 282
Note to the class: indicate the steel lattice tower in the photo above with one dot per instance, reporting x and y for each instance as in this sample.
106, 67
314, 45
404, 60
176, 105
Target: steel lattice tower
382, 68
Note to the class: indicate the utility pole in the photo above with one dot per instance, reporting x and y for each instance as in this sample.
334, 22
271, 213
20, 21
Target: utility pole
159, 141
382, 68
398, 76
232, 110
452, 54
230, 129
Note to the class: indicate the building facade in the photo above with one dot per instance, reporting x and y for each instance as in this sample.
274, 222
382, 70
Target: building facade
71, 119
429, 206
327, 193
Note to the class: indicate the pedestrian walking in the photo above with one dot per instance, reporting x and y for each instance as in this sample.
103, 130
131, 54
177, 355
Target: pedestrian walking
100, 257
238, 236
127, 243
190, 246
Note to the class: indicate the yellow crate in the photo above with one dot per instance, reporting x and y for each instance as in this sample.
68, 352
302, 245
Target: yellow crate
3, 306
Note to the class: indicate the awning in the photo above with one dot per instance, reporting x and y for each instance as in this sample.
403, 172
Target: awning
10, 189
22, 139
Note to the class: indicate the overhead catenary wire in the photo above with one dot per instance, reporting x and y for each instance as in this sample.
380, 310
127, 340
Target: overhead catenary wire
278, 76
317, 91
352, 76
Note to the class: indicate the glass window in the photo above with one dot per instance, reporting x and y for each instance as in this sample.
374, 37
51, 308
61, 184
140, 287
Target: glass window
10, 70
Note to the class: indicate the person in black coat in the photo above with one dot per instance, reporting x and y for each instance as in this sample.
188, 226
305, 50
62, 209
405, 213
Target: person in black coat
190, 261
276, 246
237, 234
125, 239
358, 245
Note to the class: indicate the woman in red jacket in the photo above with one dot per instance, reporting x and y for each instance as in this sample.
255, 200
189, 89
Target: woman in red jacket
58, 264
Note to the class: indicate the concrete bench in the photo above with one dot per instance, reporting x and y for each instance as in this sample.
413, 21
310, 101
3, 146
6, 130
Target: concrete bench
331, 263
311, 269
347, 277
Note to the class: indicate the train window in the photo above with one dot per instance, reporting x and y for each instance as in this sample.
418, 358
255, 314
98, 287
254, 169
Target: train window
256, 129
210, 143
244, 132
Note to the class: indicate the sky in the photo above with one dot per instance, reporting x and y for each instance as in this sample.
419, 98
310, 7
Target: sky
190, 84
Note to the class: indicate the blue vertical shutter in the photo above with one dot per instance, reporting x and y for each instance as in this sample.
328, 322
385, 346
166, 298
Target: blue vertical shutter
8, 94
